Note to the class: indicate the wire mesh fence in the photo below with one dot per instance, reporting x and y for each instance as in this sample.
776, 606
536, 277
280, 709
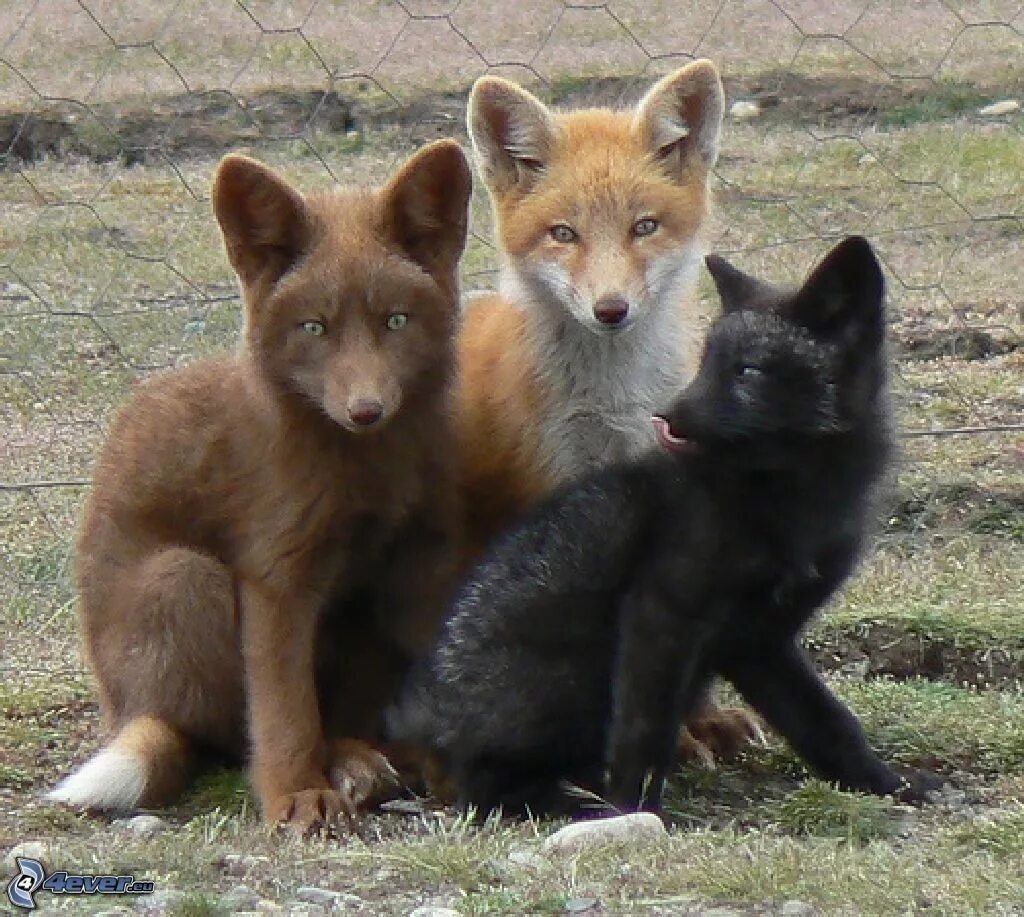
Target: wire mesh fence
898, 120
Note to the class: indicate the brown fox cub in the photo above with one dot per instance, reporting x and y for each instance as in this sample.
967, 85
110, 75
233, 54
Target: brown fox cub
598, 216
236, 499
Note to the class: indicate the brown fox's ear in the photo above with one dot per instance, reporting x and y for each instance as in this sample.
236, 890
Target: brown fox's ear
264, 220
512, 133
425, 208
680, 118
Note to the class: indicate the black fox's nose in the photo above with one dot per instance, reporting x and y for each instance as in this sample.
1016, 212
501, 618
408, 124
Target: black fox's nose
366, 412
611, 310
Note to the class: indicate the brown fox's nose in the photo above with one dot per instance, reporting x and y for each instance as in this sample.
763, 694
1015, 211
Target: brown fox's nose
366, 412
611, 310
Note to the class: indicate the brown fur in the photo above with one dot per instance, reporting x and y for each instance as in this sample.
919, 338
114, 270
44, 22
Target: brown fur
236, 498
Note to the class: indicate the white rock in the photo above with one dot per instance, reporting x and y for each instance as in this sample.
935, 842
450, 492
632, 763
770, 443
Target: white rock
33, 850
637, 827
163, 899
143, 825
430, 911
795, 908
1005, 107
524, 858
744, 110
867, 159
240, 898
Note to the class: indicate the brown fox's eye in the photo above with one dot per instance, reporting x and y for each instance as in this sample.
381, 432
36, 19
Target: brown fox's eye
562, 232
397, 321
317, 329
645, 227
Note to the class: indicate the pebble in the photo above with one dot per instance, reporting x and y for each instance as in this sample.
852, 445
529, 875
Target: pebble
795, 908
744, 110
524, 858
867, 159
583, 906
637, 827
1004, 107
431, 911
33, 850
163, 899
142, 825
241, 898
237, 864
327, 897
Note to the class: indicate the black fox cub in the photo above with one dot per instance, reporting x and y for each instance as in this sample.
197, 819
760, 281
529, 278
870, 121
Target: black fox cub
584, 638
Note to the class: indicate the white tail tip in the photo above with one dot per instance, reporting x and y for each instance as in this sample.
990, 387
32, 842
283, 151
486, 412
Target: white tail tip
112, 780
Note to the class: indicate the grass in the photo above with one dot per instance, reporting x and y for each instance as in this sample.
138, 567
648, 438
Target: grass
108, 272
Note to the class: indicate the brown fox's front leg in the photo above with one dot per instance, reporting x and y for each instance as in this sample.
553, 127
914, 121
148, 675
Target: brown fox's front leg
288, 749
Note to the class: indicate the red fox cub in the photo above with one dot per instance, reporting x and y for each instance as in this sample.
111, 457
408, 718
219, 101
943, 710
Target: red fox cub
239, 498
598, 216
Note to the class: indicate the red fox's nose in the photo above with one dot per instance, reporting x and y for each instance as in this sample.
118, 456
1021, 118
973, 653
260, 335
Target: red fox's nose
611, 310
366, 412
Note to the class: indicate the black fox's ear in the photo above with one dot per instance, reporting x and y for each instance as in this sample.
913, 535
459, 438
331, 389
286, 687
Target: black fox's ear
739, 290
264, 220
843, 293
425, 208
680, 118
512, 132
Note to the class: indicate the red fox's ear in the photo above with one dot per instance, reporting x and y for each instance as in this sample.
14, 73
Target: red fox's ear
680, 118
264, 220
512, 133
425, 208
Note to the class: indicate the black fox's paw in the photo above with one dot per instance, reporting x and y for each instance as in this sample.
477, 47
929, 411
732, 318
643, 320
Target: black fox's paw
918, 786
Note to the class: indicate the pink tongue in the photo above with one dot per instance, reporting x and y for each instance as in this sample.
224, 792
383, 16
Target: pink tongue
666, 437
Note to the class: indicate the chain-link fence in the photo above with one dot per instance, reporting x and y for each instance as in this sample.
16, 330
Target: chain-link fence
898, 120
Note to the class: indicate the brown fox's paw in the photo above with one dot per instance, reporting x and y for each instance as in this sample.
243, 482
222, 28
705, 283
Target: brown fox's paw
310, 812
718, 733
362, 774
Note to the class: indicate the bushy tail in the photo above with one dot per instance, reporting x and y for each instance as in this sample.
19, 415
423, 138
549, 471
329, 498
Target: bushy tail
146, 764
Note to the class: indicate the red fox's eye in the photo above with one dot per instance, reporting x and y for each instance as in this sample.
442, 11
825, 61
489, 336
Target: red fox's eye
397, 320
645, 227
317, 329
562, 232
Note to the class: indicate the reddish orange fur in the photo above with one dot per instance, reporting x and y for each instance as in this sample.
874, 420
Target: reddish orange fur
598, 171
235, 498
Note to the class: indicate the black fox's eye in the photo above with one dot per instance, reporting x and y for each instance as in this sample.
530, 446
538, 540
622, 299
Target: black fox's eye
748, 370
563, 232
645, 227
317, 329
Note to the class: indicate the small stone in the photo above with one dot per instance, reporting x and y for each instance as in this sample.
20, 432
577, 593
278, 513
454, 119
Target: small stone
637, 827
163, 899
583, 906
795, 908
32, 850
524, 858
142, 825
241, 898
744, 110
721, 912
1004, 107
431, 911
326, 897
868, 159
237, 864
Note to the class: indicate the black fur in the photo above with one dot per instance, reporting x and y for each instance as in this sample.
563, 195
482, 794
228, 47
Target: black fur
584, 638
